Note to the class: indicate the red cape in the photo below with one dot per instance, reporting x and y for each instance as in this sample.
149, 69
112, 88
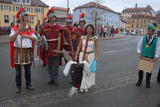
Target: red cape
15, 28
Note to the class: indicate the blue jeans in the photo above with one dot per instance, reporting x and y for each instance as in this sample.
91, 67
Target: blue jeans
27, 69
53, 64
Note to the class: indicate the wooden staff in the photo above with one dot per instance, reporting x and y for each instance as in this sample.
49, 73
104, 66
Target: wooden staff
22, 73
21, 60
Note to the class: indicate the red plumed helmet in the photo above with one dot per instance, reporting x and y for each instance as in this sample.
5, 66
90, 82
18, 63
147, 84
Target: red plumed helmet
50, 13
69, 17
82, 15
20, 13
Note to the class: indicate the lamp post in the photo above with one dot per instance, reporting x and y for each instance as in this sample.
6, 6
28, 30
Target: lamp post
67, 7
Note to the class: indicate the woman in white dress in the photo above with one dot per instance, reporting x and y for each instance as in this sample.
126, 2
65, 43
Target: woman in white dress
88, 50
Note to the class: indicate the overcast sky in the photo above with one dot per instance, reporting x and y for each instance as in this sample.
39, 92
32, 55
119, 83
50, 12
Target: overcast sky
116, 5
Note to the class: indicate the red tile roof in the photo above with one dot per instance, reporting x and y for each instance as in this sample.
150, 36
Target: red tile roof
138, 9
93, 4
59, 8
142, 16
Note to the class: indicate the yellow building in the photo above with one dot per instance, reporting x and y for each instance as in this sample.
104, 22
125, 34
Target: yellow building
35, 8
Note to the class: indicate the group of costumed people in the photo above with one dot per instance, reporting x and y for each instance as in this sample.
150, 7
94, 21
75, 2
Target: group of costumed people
148, 50
77, 45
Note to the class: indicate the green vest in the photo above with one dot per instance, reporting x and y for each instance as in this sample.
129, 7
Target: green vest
150, 51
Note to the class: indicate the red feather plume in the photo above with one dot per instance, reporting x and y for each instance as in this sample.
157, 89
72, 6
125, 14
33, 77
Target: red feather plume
69, 17
19, 12
82, 15
50, 10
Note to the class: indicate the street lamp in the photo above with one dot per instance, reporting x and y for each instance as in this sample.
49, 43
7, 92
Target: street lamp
67, 7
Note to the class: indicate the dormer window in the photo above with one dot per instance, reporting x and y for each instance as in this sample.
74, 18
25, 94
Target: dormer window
25, 2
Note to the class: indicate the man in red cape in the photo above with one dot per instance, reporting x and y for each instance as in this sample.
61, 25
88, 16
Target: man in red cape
53, 34
21, 49
67, 35
77, 32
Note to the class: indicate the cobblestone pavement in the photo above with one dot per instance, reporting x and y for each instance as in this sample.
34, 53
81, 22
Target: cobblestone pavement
61, 95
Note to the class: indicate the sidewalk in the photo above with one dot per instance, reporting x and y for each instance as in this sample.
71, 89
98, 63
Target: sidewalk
116, 36
5, 38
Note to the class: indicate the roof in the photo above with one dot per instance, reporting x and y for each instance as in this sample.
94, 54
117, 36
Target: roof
59, 8
142, 16
93, 4
33, 3
138, 9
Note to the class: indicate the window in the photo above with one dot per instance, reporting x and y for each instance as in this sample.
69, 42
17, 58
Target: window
28, 9
23, 1
14, 0
9, 8
31, 19
14, 19
2, 7
137, 26
27, 1
6, 19
31, 9
17, 8
6, 7
13, 8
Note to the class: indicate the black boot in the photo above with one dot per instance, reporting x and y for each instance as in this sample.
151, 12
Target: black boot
148, 78
140, 78
158, 77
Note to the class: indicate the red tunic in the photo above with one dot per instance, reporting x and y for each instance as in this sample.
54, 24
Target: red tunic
67, 38
76, 35
51, 32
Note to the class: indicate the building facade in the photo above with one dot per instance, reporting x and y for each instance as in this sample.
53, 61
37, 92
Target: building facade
98, 15
35, 8
139, 23
61, 14
138, 18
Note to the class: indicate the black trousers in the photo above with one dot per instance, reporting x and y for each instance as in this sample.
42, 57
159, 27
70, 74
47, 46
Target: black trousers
27, 69
140, 77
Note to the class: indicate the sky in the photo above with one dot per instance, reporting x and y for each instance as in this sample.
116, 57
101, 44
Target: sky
116, 5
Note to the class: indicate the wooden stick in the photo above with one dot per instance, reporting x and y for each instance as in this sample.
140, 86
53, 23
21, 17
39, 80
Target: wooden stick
22, 73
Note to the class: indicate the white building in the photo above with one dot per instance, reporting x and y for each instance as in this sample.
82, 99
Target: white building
105, 16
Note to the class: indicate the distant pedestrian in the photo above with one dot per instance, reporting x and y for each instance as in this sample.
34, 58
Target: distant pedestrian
112, 32
101, 31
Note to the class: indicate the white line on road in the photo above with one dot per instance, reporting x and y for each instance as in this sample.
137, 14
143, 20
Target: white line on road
116, 51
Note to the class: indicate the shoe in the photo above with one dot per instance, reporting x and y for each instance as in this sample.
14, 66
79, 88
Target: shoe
148, 86
138, 84
30, 87
86, 90
55, 83
44, 65
51, 82
18, 90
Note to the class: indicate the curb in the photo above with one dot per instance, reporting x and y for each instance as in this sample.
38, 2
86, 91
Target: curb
7, 41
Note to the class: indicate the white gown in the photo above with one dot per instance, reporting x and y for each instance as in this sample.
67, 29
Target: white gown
88, 78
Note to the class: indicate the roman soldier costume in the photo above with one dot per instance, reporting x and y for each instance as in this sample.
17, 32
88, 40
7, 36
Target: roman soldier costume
21, 50
53, 34
67, 35
77, 32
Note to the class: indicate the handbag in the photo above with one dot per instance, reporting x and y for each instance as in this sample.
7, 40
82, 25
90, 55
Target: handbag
92, 67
